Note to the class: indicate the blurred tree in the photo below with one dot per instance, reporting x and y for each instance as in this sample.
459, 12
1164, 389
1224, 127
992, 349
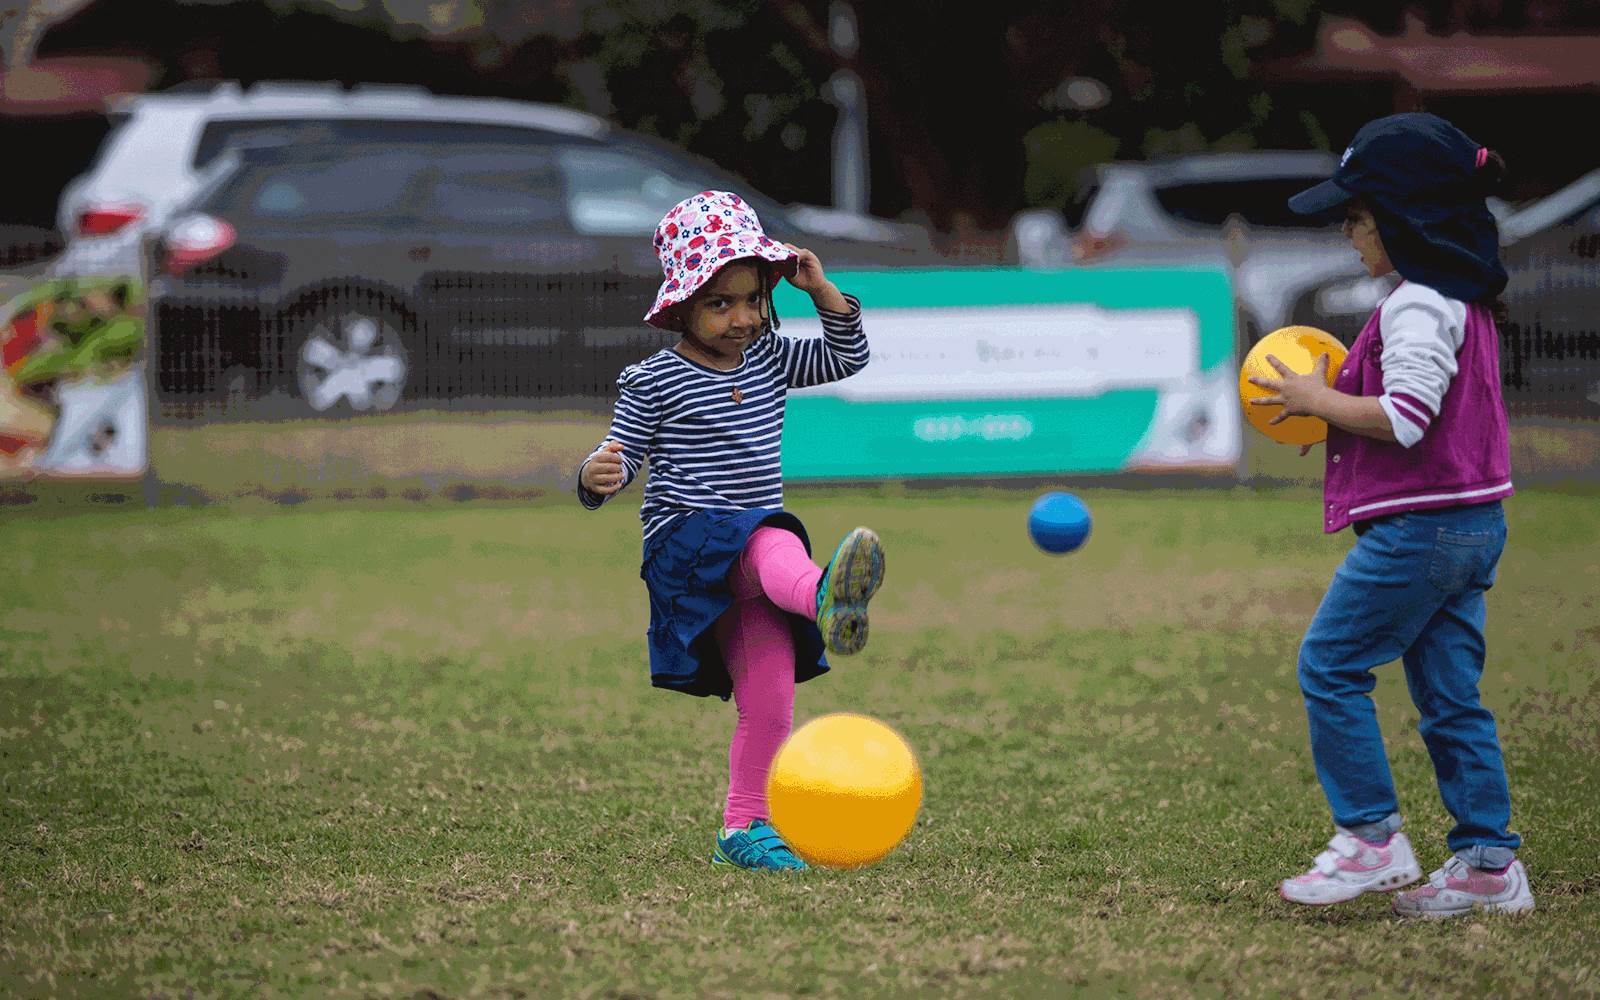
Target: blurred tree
975, 110
1183, 83
23, 24
1057, 153
722, 78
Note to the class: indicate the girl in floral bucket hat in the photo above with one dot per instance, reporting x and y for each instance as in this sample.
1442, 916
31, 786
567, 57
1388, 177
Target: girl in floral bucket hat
737, 607
1418, 463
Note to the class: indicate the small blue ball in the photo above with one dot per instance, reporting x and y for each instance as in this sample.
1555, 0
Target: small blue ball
1058, 523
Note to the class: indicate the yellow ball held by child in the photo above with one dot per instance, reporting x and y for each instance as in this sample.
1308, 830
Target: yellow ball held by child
844, 790
1298, 347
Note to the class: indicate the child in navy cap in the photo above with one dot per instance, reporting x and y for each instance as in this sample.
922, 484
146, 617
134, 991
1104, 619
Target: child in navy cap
1418, 463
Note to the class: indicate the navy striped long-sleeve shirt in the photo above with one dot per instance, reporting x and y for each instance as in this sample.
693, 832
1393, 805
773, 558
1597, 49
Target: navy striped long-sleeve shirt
712, 437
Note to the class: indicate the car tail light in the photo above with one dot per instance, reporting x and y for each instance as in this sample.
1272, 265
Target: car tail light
103, 220
195, 239
1091, 246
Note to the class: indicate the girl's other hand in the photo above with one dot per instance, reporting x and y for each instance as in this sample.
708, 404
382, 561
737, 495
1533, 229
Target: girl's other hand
602, 472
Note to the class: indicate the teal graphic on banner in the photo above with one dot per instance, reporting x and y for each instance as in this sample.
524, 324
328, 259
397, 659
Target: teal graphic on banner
1004, 371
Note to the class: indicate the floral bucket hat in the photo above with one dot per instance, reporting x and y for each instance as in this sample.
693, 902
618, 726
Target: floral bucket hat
700, 236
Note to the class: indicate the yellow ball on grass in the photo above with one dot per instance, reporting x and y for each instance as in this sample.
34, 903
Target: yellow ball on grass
844, 790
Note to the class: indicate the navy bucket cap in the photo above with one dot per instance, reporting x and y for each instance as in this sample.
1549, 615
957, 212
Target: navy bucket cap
1423, 179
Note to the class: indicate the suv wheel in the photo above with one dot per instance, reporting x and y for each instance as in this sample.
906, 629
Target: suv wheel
351, 355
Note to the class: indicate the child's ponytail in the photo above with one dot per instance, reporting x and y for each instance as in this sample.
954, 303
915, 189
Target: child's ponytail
1491, 173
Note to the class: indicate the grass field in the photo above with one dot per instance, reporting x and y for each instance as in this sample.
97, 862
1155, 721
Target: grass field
411, 750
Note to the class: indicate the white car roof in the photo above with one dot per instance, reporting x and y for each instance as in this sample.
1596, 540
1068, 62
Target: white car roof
229, 100
1551, 209
1201, 167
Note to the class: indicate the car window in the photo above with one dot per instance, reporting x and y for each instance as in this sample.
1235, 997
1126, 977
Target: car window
500, 189
219, 133
1259, 201
610, 193
624, 191
362, 185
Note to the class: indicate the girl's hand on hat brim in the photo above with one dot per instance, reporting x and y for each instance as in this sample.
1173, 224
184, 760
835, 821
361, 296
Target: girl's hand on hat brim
809, 278
808, 274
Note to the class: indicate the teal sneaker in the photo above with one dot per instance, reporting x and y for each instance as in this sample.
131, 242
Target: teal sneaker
853, 575
756, 848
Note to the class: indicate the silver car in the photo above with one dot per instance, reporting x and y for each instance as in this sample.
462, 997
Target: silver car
1221, 209
167, 148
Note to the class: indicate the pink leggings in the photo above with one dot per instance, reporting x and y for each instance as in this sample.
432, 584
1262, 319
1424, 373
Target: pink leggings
773, 575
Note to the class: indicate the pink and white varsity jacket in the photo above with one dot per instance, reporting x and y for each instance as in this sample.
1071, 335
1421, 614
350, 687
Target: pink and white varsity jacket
1434, 363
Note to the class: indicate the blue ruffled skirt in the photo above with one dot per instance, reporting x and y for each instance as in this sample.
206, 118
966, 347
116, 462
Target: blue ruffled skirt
685, 569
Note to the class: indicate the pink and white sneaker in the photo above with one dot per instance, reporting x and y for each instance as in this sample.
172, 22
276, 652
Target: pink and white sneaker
1351, 866
1458, 889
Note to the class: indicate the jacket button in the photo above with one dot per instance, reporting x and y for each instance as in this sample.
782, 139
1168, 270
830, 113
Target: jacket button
1336, 459
1345, 372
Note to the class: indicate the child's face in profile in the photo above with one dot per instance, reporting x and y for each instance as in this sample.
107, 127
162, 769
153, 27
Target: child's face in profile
726, 315
1361, 229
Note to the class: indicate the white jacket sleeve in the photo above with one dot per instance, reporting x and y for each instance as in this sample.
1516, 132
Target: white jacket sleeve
1422, 332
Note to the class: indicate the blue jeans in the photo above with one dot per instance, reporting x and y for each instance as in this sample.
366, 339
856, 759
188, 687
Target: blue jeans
1411, 589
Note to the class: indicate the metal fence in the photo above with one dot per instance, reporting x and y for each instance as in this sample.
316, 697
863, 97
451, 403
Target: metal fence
455, 340
1550, 347
1550, 342
18, 254
492, 340
487, 342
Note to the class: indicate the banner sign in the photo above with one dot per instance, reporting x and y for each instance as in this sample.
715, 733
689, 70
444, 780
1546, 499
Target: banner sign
72, 392
1005, 371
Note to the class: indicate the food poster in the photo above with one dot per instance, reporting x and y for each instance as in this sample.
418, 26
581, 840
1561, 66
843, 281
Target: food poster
72, 393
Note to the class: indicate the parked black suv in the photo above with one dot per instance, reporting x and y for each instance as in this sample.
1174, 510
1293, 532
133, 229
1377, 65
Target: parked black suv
463, 265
